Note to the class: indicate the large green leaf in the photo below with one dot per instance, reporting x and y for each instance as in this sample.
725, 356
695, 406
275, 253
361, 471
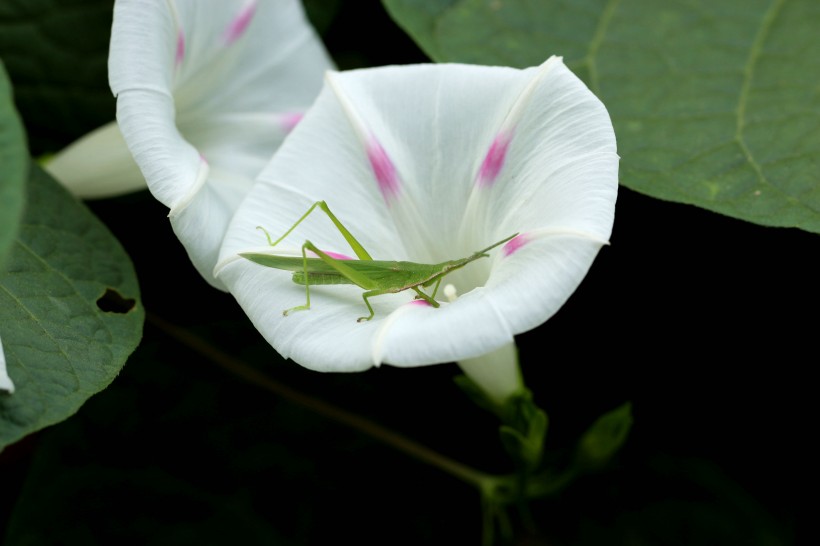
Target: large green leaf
716, 104
56, 54
13, 163
69, 310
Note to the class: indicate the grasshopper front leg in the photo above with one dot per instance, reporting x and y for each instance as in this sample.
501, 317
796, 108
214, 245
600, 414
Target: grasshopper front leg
435, 288
371, 293
365, 296
422, 296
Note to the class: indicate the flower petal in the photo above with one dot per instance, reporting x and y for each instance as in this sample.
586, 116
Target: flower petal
552, 179
326, 337
5, 381
216, 82
114, 171
433, 156
167, 161
203, 220
143, 46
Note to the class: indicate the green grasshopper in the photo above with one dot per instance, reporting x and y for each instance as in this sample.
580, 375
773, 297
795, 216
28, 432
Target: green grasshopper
374, 276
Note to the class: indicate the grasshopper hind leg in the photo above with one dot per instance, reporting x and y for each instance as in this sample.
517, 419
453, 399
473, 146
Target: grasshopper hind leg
306, 306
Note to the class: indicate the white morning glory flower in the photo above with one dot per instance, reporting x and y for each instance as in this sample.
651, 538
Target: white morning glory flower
5, 381
429, 163
206, 92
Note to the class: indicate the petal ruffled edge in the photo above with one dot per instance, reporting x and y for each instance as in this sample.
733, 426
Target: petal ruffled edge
523, 291
324, 338
168, 162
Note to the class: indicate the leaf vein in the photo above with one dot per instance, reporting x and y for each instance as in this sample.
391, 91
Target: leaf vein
749, 68
45, 330
595, 44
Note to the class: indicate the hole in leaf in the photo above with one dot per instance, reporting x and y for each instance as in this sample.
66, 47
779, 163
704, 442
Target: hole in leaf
113, 302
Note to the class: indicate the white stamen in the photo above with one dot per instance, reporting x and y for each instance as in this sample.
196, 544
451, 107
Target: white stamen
450, 292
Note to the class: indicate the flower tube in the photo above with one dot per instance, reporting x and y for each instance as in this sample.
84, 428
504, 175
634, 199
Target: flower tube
429, 163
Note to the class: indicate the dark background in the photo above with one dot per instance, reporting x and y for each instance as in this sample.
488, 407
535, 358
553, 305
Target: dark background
706, 323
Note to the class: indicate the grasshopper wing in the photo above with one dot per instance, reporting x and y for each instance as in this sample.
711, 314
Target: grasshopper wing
288, 263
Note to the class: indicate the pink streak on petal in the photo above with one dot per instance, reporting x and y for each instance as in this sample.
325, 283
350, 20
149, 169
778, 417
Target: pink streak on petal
202, 157
335, 255
494, 160
180, 54
338, 256
240, 23
423, 303
384, 170
515, 244
290, 120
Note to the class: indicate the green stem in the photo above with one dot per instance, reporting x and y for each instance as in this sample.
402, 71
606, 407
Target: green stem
467, 474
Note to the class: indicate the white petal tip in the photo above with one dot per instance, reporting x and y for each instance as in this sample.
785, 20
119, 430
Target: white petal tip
6, 383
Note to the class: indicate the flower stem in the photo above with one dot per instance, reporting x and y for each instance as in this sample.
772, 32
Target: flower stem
235, 366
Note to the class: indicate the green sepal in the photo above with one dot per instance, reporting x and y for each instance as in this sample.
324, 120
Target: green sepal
524, 430
604, 438
524, 425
